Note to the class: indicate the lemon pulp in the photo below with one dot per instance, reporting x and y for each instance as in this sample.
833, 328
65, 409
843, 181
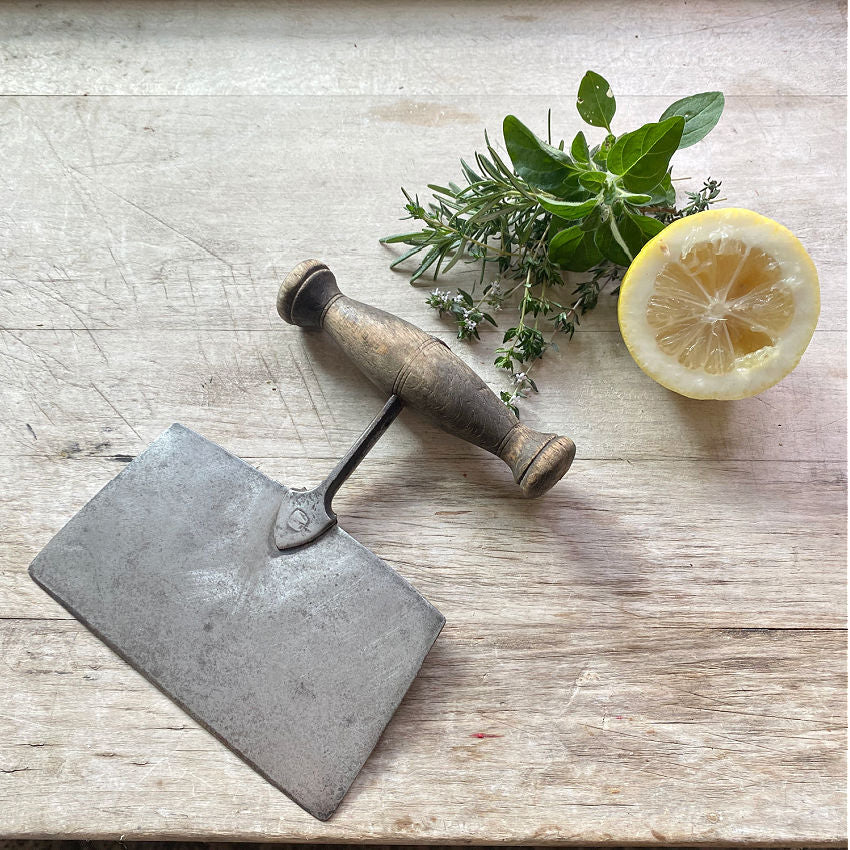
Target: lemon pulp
720, 301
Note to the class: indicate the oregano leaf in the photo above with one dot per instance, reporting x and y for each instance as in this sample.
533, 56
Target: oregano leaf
537, 162
579, 149
638, 200
641, 157
600, 153
592, 180
613, 247
595, 101
700, 111
569, 210
574, 250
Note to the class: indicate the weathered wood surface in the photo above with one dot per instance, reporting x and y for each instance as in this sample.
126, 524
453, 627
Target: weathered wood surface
657, 645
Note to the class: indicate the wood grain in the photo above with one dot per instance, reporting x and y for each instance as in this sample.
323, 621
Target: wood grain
133, 211
286, 390
550, 734
655, 651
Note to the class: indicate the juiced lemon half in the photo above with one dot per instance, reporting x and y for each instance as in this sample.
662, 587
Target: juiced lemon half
721, 304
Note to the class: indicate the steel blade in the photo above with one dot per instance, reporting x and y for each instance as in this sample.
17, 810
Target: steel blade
295, 660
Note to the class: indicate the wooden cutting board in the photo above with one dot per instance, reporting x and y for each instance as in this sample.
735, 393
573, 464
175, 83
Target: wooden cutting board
654, 652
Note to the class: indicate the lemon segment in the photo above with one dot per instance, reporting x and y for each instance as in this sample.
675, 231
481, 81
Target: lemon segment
721, 304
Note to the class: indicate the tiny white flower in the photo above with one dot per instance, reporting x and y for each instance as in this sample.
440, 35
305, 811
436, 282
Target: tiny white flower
520, 377
436, 293
470, 325
457, 299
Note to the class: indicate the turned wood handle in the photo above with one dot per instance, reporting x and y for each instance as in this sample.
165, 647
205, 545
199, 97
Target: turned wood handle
402, 359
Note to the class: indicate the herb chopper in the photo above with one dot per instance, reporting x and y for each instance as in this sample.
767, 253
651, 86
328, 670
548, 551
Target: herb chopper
244, 601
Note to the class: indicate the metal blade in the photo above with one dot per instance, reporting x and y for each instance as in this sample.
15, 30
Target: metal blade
296, 660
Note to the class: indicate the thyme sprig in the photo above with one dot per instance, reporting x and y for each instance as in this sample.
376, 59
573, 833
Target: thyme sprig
549, 212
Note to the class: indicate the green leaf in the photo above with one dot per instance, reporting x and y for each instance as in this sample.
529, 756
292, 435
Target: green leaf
592, 180
573, 249
595, 102
647, 225
406, 255
569, 210
507, 398
600, 153
700, 111
635, 231
641, 157
471, 176
638, 200
593, 220
611, 243
579, 149
537, 162
663, 195
430, 258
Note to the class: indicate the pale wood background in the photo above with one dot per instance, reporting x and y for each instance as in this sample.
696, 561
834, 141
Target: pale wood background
656, 648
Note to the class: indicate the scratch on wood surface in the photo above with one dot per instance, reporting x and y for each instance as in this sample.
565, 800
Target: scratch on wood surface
312, 366
191, 286
42, 356
735, 22
281, 396
117, 412
72, 175
294, 360
229, 305
753, 714
155, 217
130, 289
576, 688
77, 314
86, 134
59, 299
96, 344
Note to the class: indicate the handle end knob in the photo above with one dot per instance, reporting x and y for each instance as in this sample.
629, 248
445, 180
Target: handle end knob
305, 293
548, 468
538, 461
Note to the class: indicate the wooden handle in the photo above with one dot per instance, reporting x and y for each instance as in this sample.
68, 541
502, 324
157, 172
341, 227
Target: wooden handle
402, 359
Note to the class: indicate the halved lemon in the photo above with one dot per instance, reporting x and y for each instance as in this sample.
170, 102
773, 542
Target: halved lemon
721, 304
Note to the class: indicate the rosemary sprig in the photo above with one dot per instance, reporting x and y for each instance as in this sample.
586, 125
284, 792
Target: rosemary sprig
550, 212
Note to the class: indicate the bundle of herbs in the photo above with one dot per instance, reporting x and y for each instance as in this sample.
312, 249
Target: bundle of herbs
552, 211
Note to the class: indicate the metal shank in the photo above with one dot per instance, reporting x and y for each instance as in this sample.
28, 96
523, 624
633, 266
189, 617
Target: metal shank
305, 515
